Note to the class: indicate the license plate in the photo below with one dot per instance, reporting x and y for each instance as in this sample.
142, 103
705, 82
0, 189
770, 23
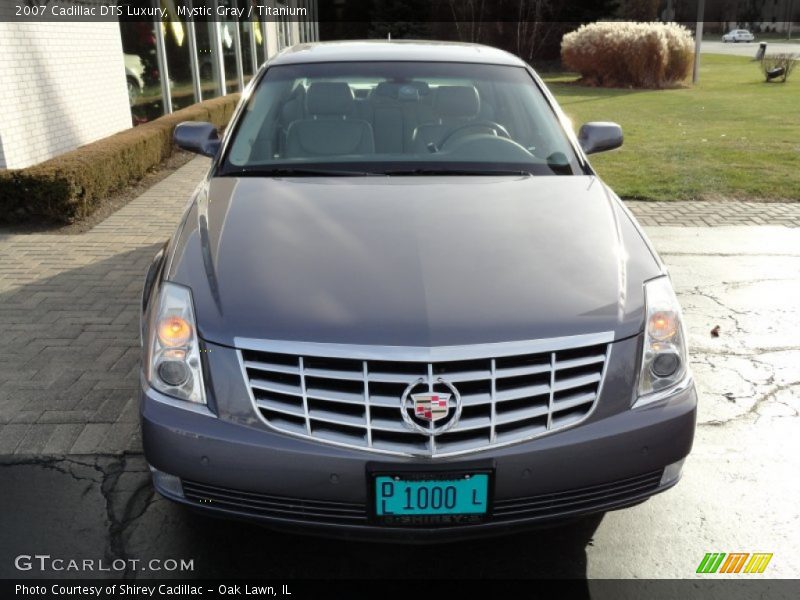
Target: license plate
437, 498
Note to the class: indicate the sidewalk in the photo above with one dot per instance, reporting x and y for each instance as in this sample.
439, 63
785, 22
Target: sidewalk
715, 214
69, 339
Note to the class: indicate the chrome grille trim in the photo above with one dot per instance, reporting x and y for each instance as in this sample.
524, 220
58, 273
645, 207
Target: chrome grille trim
493, 402
365, 371
304, 391
424, 353
349, 396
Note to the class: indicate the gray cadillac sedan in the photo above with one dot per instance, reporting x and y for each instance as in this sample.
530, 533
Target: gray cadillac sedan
402, 305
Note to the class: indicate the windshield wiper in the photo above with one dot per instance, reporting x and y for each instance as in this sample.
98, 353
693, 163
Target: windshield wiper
454, 171
296, 172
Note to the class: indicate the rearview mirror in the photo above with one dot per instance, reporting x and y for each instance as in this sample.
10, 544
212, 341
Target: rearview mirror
600, 136
197, 137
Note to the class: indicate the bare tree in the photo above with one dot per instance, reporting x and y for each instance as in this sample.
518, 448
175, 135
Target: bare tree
468, 16
532, 29
639, 10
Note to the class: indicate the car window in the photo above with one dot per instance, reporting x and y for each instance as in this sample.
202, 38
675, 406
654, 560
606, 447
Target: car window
380, 117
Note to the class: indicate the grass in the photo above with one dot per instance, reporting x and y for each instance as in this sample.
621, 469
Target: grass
731, 136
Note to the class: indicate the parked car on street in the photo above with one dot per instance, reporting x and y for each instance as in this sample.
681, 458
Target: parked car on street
738, 35
403, 305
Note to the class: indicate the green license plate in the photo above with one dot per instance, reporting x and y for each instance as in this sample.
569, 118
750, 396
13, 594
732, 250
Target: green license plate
435, 494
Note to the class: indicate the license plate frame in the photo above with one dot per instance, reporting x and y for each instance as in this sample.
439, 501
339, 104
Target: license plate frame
424, 472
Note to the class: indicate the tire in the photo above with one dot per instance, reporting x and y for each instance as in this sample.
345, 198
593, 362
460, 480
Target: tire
134, 91
206, 72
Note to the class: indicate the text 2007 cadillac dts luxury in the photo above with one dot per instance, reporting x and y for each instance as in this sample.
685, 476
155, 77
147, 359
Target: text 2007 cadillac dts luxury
402, 305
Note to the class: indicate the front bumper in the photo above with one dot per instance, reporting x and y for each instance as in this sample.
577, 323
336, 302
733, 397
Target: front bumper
244, 470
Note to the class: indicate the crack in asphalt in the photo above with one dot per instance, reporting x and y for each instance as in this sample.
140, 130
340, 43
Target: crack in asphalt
763, 389
697, 352
108, 479
753, 410
730, 312
136, 505
728, 254
733, 314
769, 381
745, 282
52, 463
698, 290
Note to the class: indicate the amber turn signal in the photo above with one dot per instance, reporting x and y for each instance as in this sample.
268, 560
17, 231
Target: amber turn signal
174, 331
663, 325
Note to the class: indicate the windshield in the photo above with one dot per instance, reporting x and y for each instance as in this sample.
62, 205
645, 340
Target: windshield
398, 118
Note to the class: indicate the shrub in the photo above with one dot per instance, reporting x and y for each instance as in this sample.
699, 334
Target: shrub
72, 185
781, 65
623, 54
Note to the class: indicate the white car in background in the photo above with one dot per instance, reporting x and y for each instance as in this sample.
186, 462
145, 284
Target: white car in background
738, 35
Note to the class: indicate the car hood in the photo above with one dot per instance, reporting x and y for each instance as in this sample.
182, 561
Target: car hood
411, 261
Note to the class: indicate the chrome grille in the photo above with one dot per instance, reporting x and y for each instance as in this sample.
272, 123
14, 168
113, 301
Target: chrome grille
351, 395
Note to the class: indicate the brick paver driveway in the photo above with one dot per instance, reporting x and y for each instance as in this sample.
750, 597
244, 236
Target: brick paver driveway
69, 342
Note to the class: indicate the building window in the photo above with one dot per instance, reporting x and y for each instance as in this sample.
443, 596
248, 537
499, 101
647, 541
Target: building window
142, 72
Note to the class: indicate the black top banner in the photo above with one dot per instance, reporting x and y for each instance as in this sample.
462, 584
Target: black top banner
477, 12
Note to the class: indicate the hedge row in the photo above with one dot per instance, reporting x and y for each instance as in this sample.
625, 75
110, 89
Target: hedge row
72, 185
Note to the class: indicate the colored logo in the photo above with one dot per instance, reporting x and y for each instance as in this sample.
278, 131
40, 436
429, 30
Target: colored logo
430, 407
735, 562
431, 412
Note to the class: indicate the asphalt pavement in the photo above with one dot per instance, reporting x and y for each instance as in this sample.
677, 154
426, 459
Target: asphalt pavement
748, 49
738, 494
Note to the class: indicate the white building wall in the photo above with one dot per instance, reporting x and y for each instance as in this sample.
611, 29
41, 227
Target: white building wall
271, 33
62, 85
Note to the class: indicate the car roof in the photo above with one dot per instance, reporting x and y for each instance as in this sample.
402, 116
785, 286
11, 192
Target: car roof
395, 50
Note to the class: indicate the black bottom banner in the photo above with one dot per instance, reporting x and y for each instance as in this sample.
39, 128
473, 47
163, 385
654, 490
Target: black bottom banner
617, 589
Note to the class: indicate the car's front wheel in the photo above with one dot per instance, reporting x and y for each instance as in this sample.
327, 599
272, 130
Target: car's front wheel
134, 91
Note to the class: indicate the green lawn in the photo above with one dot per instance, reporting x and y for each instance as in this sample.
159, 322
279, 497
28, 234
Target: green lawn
731, 136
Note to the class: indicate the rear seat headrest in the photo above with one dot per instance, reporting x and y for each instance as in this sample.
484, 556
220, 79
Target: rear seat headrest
329, 98
405, 91
457, 101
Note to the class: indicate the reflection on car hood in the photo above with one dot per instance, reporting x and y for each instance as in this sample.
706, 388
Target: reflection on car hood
424, 261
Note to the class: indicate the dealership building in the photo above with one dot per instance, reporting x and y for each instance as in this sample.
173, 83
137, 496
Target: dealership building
65, 83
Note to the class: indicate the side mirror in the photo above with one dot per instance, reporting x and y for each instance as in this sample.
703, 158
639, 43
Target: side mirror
197, 137
599, 136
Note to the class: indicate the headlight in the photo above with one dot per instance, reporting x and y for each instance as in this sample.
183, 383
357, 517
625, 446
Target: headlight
664, 359
173, 365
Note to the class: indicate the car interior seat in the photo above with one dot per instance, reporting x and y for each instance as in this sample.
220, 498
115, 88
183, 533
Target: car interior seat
331, 126
453, 106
